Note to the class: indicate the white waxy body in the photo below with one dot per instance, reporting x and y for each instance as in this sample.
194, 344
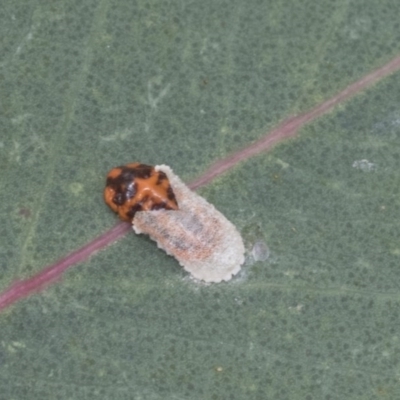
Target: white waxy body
204, 242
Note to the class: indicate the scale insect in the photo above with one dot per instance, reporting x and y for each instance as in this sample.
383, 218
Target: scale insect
182, 223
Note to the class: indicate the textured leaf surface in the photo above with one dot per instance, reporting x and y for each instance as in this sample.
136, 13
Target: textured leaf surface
87, 85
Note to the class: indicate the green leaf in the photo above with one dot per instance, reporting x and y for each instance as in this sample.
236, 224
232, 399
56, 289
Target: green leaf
88, 85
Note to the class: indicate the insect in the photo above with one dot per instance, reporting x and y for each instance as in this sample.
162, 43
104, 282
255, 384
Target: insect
138, 187
182, 223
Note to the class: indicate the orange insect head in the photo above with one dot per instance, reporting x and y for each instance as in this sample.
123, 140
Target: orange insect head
138, 187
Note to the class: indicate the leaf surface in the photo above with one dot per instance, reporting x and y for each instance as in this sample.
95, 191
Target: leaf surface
86, 86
